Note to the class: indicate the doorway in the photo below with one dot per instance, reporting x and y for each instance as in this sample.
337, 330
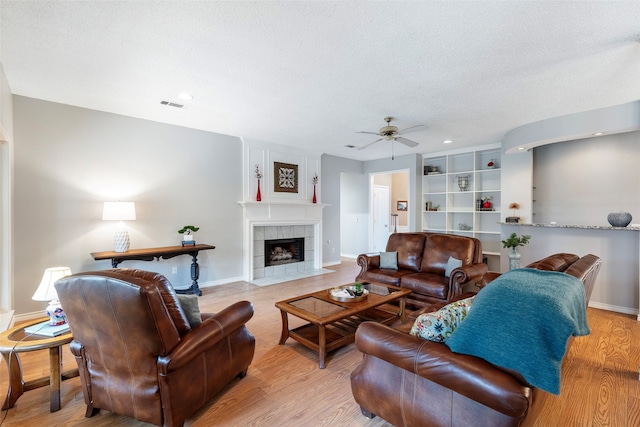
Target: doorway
389, 198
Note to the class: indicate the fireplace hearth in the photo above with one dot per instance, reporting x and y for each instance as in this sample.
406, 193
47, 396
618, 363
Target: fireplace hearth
283, 251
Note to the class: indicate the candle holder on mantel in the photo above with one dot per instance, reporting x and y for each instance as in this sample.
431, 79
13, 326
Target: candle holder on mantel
258, 176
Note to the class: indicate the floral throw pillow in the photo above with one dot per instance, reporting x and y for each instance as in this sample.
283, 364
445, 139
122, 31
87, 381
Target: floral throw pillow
439, 325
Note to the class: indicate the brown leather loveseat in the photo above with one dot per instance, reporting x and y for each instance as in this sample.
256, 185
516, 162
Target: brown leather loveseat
138, 354
422, 262
410, 381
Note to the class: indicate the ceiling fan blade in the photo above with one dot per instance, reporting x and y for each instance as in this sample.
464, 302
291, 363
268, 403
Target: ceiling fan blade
370, 133
407, 142
411, 129
371, 143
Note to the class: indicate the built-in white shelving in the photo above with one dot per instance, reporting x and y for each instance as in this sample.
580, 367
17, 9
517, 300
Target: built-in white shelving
448, 206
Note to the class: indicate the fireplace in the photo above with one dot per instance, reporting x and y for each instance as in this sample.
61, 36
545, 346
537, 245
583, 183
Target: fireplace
283, 251
282, 220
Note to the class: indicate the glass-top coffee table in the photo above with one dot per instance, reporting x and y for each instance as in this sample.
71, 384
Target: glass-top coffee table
332, 324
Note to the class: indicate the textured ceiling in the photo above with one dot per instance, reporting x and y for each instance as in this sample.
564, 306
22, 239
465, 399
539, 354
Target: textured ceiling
311, 74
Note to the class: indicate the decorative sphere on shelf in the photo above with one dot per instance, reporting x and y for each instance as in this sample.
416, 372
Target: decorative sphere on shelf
619, 219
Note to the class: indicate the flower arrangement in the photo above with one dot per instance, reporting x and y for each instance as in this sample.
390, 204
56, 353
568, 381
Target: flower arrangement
315, 178
258, 173
514, 241
515, 206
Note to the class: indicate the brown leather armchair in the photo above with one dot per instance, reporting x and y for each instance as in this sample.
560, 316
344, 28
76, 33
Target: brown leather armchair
137, 353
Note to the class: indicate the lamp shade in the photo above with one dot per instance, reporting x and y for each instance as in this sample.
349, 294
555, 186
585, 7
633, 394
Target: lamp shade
46, 291
119, 211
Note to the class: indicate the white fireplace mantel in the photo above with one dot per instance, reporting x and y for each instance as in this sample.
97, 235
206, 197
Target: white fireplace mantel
279, 213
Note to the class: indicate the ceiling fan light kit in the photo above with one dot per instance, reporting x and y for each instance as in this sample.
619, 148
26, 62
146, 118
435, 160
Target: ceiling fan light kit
392, 133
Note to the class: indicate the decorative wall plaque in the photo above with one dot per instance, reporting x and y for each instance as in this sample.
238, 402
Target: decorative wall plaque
285, 178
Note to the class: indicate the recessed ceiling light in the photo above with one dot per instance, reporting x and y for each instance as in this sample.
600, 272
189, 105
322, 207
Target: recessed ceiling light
350, 146
448, 141
522, 148
598, 134
185, 96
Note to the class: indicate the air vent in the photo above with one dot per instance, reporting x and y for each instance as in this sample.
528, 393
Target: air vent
171, 104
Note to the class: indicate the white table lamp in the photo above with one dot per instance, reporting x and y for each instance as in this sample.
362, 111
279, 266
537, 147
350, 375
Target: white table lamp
120, 211
47, 292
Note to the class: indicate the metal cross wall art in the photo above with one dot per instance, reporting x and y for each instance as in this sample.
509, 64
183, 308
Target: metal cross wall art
286, 178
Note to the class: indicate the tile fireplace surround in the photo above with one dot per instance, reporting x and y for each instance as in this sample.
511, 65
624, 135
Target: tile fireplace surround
281, 220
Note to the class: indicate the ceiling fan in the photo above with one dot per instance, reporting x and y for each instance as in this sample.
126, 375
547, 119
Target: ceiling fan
392, 133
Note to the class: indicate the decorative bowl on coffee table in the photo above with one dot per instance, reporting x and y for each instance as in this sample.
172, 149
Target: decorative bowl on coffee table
347, 294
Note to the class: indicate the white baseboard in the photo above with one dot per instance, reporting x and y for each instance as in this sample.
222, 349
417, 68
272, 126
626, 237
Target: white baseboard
616, 308
349, 256
28, 316
326, 264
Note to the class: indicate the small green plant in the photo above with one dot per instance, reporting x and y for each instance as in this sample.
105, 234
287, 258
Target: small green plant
358, 289
514, 241
187, 229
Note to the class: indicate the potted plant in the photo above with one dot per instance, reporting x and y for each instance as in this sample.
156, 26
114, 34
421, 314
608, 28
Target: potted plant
512, 242
186, 232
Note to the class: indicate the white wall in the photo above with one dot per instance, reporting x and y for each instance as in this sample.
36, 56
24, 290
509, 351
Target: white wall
69, 160
6, 191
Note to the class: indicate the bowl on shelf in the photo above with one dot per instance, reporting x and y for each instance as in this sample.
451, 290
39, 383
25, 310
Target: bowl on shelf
619, 219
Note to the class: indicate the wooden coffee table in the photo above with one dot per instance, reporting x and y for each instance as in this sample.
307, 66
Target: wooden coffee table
332, 324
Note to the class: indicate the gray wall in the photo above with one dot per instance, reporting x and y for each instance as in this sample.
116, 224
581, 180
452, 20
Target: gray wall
70, 160
332, 168
580, 182
354, 214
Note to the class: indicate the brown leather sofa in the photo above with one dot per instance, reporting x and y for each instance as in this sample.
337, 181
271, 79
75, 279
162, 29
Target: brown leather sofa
410, 381
137, 353
422, 261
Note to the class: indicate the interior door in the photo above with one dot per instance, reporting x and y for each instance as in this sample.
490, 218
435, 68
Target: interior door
380, 218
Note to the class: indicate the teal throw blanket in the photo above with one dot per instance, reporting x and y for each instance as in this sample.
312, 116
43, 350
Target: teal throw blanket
522, 321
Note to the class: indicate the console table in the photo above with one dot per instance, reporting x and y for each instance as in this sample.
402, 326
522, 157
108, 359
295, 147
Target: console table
149, 254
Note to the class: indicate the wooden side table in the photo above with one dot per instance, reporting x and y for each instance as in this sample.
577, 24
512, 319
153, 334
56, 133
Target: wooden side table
14, 341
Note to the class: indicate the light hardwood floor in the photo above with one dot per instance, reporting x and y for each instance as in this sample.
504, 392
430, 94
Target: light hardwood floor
284, 386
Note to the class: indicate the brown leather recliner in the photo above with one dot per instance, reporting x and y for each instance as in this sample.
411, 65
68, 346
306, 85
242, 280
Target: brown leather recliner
137, 353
